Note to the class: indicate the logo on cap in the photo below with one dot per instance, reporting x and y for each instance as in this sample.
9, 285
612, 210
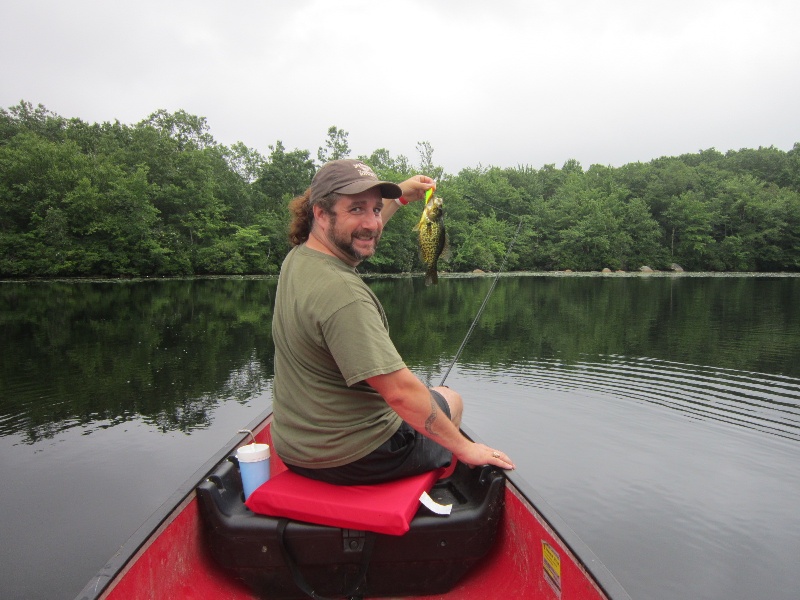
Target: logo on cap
364, 170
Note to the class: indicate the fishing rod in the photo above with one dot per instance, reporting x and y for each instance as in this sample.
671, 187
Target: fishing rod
488, 295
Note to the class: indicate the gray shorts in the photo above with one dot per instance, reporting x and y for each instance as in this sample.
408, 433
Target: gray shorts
406, 453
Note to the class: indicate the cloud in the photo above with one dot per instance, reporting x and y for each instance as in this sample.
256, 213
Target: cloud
504, 83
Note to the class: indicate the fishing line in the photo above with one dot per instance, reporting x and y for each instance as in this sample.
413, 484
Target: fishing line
468, 197
485, 300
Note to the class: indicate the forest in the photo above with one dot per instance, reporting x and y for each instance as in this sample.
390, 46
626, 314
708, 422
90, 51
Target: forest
162, 198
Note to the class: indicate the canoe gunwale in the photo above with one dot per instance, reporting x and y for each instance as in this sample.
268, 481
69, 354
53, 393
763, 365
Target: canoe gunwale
582, 553
138, 541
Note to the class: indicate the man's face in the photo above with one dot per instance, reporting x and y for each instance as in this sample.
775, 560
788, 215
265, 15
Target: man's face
354, 228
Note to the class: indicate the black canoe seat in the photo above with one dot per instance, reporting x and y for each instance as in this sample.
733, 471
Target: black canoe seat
429, 559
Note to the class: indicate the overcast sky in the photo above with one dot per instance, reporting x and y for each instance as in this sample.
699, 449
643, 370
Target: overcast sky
520, 82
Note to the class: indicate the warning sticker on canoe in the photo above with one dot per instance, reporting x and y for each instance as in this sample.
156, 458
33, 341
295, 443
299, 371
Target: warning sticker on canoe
551, 563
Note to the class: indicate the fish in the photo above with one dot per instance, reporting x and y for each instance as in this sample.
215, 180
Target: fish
432, 237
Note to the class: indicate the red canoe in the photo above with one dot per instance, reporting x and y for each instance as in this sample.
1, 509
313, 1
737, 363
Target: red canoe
534, 554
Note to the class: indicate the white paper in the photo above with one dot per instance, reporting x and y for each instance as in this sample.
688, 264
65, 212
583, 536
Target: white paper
431, 504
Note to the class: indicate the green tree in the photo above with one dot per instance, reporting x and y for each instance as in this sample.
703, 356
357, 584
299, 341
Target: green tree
689, 220
161, 197
769, 165
188, 131
598, 224
387, 167
793, 167
426, 166
24, 117
246, 162
36, 176
336, 146
283, 176
484, 245
758, 225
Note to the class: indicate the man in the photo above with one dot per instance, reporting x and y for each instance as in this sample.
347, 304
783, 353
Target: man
346, 408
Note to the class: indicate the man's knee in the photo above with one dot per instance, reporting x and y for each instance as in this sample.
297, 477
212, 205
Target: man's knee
455, 402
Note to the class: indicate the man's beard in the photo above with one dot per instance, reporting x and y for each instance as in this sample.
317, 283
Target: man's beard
346, 244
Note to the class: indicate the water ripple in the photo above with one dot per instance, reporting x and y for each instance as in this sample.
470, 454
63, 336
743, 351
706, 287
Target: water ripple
756, 401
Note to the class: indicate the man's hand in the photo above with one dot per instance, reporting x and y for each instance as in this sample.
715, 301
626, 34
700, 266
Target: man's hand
480, 454
415, 187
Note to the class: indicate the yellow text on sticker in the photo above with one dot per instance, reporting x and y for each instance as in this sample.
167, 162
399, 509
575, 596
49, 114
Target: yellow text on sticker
551, 563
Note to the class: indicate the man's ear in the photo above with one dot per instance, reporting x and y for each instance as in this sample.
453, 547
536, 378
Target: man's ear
319, 212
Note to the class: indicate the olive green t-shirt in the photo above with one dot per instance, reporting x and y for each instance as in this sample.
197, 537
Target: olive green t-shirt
330, 334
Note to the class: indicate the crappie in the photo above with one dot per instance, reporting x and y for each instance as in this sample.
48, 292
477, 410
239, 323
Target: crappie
432, 237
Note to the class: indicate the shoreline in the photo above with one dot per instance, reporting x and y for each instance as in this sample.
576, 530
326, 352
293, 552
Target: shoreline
411, 275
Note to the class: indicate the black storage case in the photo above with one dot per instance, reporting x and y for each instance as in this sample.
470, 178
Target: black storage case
435, 553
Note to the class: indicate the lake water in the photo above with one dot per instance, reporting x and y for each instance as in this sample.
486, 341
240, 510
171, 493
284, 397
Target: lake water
658, 415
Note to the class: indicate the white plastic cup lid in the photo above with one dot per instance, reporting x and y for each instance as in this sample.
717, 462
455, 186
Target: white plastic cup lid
252, 452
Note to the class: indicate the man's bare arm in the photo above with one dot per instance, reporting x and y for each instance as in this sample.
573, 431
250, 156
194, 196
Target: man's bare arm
412, 400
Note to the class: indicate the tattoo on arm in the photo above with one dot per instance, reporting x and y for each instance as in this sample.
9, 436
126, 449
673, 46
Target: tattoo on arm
431, 418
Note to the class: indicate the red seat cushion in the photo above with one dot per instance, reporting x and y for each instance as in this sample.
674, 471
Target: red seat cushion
382, 508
